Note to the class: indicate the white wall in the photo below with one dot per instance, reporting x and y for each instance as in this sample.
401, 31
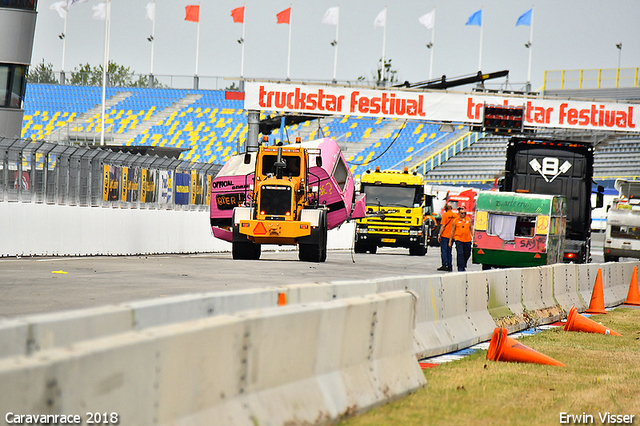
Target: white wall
52, 230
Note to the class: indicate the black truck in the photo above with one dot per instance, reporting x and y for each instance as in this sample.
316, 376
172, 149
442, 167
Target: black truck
557, 167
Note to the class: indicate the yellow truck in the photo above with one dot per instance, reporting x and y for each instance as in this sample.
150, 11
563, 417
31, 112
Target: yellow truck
397, 212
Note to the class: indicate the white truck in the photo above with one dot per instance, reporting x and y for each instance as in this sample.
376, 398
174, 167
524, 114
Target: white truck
622, 236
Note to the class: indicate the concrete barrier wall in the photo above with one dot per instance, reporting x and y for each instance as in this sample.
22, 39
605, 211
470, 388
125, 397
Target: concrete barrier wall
31, 229
303, 364
565, 287
453, 311
505, 298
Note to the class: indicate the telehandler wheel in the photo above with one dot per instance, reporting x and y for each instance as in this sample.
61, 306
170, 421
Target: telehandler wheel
245, 251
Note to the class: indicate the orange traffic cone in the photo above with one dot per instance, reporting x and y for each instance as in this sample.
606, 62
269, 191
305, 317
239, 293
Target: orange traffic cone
577, 322
504, 348
633, 298
282, 299
597, 298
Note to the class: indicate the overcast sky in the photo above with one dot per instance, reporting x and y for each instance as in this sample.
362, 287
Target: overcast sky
567, 34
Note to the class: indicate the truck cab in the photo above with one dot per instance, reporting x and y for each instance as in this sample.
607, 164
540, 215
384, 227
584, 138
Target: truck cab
397, 210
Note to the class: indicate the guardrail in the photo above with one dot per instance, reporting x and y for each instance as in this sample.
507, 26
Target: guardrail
42, 172
447, 152
591, 78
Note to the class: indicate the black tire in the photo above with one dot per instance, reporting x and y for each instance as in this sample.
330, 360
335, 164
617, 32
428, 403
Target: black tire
359, 247
315, 252
310, 252
611, 258
417, 251
373, 249
245, 251
486, 267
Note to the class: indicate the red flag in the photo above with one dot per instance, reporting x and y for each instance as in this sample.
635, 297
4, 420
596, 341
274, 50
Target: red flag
284, 17
238, 14
193, 13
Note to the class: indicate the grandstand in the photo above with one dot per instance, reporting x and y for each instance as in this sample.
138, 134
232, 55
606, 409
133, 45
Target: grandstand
211, 127
208, 125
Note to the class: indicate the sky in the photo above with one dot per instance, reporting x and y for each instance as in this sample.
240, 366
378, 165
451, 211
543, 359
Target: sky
567, 34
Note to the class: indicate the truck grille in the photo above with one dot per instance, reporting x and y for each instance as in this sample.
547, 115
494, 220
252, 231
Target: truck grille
275, 200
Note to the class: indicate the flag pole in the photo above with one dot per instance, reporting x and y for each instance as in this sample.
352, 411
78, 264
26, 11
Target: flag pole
105, 63
335, 52
153, 36
64, 44
530, 51
384, 39
198, 41
242, 60
289, 50
433, 36
480, 54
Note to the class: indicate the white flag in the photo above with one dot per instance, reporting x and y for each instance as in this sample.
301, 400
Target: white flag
381, 19
74, 2
428, 20
60, 7
151, 11
100, 11
331, 16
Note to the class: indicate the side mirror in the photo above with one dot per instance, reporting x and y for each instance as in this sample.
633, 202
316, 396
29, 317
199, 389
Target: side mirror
600, 197
247, 158
319, 161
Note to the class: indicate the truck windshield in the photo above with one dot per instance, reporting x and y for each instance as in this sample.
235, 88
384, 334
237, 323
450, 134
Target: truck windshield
393, 195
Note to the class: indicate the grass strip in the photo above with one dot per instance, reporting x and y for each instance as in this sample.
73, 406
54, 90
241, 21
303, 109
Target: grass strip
602, 376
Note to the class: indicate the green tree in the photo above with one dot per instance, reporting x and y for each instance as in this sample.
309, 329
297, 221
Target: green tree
383, 76
41, 73
119, 76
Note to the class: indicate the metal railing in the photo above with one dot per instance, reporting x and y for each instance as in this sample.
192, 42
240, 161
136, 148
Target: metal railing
48, 173
444, 154
603, 78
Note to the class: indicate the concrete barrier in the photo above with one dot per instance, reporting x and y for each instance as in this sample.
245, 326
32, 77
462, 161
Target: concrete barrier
565, 287
477, 302
43, 331
505, 298
617, 289
188, 307
454, 310
304, 364
89, 231
537, 295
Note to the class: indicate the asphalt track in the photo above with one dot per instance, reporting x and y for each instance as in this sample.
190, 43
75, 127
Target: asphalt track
40, 285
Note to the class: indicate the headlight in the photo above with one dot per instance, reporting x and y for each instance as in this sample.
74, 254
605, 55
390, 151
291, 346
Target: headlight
413, 232
363, 231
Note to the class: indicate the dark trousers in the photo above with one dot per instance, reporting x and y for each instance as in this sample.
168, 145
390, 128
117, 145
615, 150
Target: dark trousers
463, 253
445, 252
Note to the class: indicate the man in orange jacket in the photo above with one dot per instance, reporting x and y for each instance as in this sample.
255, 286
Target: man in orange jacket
461, 233
446, 224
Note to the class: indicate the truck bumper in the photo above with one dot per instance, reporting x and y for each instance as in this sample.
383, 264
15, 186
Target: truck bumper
391, 240
274, 231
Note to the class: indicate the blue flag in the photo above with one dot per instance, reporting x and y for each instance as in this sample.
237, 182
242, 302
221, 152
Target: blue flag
475, 19
525, 18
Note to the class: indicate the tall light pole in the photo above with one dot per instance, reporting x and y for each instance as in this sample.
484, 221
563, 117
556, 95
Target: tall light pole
619, 46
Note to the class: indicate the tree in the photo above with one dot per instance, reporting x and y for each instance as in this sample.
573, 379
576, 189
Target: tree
119, 76
384, 75
41, 73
